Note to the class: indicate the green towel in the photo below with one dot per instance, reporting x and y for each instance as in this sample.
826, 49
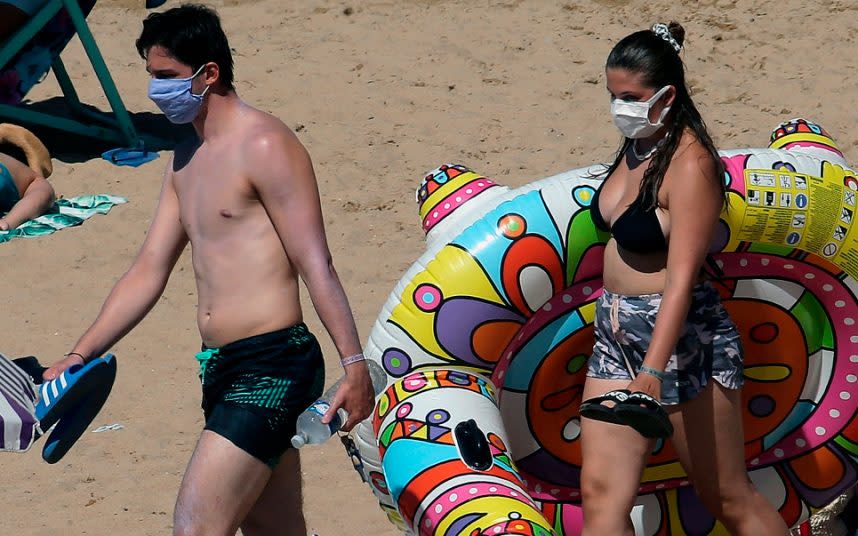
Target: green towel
64, 213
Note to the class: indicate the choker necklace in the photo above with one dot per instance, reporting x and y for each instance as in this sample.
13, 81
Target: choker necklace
646, 155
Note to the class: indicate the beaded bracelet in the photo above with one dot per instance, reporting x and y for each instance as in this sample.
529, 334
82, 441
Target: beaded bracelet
357, 358
652, 372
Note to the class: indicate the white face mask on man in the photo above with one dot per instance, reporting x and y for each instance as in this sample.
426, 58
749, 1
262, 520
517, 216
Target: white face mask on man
632, 117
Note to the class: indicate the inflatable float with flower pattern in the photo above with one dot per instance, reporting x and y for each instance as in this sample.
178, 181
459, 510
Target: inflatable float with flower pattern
486, 337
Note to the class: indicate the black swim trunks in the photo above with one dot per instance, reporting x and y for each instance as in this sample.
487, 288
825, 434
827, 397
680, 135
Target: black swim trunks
255, 388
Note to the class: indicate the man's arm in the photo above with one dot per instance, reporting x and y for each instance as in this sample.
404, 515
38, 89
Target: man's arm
136, 292
280, 170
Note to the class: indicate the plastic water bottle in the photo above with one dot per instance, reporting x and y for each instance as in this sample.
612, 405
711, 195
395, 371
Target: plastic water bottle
310, 430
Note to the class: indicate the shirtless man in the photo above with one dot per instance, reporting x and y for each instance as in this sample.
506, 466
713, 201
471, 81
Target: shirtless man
244, 195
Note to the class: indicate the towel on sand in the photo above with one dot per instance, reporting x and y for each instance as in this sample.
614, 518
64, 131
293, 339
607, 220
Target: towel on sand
64, 213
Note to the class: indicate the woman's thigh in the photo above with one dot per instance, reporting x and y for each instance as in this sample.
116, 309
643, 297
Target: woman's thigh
613, 455
709, 439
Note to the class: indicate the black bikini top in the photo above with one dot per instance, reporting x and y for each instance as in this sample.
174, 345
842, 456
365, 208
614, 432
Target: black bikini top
636, 230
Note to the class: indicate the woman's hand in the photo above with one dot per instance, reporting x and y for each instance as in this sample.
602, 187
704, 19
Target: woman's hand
648, 384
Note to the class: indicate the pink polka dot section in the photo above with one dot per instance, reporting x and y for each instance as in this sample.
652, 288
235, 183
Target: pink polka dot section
824, 421
560, 305
448, 502
445, 190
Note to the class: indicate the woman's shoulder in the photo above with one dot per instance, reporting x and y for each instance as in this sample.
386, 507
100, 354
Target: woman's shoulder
692, 157
690, 146
692, 168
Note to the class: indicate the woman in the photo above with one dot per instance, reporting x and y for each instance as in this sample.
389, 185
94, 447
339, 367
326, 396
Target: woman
661, 332
25, 192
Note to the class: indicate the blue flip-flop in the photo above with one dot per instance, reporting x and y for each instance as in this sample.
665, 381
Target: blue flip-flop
71, 402
129, 157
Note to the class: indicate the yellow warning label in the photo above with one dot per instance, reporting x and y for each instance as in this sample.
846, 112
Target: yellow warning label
814, 214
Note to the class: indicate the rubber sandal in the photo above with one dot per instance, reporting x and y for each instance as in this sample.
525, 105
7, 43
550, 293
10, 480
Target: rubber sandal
32, 367
71, 402
645, 414
594, 408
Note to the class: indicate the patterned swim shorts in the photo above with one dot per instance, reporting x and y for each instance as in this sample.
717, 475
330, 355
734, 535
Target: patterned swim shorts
255, 388
708, 347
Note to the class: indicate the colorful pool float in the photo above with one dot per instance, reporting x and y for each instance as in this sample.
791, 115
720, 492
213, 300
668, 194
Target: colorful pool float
486, 337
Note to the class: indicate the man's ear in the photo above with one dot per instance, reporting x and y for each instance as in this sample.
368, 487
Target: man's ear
211, 73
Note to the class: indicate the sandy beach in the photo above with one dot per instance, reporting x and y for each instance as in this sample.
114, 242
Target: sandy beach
379, 92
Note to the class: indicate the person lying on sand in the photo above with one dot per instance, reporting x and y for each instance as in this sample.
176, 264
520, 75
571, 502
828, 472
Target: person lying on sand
25, 192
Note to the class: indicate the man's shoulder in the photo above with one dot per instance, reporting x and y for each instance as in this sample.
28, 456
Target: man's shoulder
265, 133
270, 150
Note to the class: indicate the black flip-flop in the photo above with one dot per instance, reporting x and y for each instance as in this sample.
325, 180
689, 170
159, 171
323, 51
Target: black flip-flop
594, 408
645, 414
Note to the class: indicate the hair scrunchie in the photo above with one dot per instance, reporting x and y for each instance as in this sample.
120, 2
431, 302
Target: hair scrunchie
660, 29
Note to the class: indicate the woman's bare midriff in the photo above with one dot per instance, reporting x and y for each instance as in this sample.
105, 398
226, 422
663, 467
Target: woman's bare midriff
633, 274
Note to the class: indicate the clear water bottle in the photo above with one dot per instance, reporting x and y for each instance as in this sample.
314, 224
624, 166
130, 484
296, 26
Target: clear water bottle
310, 430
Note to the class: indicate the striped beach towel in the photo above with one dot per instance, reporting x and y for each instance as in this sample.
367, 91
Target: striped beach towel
19, 427
64, 213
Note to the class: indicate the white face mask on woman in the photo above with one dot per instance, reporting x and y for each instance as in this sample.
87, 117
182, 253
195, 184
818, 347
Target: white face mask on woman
632, 117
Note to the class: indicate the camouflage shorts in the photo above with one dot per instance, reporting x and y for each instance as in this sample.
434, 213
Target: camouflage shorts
708, 347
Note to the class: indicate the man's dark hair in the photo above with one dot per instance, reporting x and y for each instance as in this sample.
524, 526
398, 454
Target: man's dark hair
192, 34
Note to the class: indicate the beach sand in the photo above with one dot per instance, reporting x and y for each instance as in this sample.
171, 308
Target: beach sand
380, 92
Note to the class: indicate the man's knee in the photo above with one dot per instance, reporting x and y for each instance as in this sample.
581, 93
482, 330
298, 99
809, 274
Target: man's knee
278, 511
274, 525
186, 527
189, 523
185, 530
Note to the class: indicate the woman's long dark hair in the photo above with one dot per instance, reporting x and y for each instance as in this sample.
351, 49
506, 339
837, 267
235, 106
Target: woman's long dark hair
659, 65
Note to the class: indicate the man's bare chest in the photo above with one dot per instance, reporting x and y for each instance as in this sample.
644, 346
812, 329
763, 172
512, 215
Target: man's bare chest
213, 201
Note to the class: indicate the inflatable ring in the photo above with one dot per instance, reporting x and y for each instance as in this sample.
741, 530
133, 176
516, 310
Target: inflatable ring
486, 337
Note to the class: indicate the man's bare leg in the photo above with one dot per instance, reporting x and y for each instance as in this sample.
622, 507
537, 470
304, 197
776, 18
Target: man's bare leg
278, 511
221, 485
